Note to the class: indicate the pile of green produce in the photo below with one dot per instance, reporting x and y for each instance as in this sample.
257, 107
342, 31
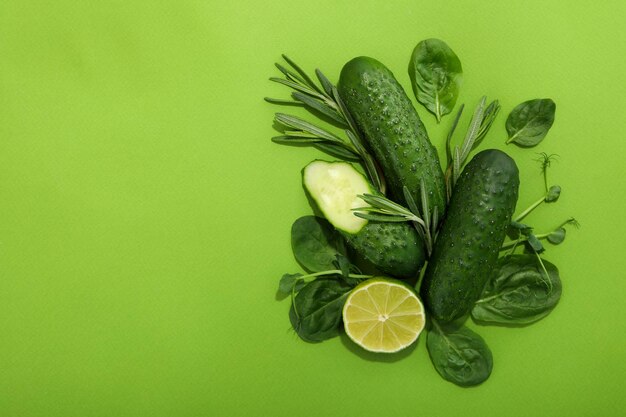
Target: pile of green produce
396, 241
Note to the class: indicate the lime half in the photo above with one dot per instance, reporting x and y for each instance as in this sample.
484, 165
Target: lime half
383, 315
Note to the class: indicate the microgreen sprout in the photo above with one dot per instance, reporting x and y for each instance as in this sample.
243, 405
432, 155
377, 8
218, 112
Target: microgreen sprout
552, 193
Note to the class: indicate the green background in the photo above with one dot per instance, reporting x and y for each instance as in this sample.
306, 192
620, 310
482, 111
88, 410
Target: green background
145, 214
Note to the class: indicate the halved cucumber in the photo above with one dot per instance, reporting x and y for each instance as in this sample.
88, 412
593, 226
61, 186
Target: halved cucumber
394, 248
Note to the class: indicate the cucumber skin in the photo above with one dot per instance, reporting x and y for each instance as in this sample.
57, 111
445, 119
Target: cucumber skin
392, 130
393, 248
469, 241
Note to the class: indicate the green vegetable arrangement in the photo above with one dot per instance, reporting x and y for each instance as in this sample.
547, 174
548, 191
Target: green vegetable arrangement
386, 209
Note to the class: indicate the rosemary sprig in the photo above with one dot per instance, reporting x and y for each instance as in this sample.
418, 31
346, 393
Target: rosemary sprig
382, 209
479, 126
324, 100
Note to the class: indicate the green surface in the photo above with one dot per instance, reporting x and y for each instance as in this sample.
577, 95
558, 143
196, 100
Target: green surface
145, 214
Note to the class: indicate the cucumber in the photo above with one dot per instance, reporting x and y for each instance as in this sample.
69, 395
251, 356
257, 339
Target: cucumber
392, 130
469, 241
394, 248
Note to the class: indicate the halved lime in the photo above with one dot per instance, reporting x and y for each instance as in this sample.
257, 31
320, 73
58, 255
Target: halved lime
383, 315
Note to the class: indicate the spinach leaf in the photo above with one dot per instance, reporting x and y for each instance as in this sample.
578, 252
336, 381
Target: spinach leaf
556, 237
459, 355
530, 121
316, 311
517, 292
553, 194
436, 75
315, 243
291, 282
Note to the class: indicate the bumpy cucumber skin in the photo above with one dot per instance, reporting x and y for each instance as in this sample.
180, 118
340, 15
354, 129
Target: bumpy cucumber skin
471, 235
393, 248
393, 130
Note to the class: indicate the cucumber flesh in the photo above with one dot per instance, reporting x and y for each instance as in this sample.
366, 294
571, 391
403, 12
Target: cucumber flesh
335, 187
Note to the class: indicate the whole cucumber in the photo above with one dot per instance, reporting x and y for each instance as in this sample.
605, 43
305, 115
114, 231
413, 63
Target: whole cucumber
393, 248
469, 241
392, 130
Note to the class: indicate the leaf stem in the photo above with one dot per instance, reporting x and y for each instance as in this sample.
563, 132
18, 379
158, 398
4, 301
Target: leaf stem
530, 208
519, 240
333, 272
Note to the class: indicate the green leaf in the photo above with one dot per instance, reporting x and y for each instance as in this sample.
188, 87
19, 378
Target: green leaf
315, 243
535, 243
553, 194
556, 237
322, 108
304, 76
436, 75
343, 264
516, 292
338, 151
459, 355
316, 311
530, 121
300, 124
389, 218
288, 282
328, 86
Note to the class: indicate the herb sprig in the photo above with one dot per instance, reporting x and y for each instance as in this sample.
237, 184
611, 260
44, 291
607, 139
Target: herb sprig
551, 194
481, 122
322, 99
382, 209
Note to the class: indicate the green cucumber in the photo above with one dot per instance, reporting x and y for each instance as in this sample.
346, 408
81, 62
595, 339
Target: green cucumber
394, 248
392, 130
469, 241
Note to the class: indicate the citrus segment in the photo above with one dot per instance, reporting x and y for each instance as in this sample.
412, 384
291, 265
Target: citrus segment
383, 315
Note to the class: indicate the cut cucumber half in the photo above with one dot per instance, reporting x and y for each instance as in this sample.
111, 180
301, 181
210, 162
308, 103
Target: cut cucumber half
335, 187
393, 248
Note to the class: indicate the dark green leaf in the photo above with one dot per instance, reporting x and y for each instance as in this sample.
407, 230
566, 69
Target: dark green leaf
296, 86
451, 132
290, 74
300, 124
366, 160
343, 264
436, 75
287, 283
302, 73
557, 236
489, 116
316, 311
280, 101
410, 201
296, 140
389, 218
535, 243
520, 226
316, 105
338, 151
315, 243
459, 355
530, 121
328, 86
516, 292
553, 194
